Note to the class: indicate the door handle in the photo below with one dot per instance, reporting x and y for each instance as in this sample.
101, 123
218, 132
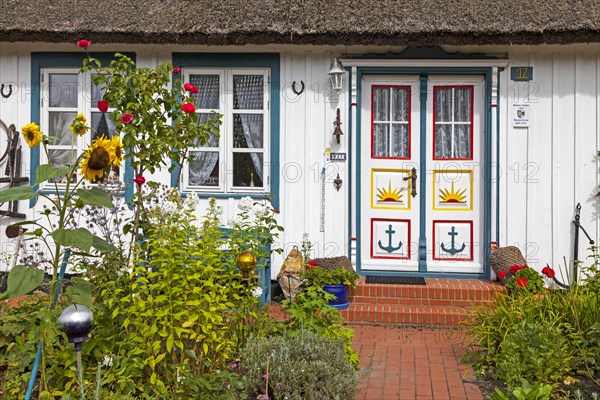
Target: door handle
413, 183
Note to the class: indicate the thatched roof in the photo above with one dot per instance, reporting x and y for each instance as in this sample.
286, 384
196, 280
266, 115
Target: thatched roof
328, 22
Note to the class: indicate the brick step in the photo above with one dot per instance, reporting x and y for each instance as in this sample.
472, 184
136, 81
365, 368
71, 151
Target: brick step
363, 313
436, 292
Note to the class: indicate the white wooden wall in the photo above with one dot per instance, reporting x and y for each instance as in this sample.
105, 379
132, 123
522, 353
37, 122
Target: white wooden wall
551, 166
545, 169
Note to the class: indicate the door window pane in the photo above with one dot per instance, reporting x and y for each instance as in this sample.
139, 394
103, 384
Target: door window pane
102, 125
58, 128
453, 124
63, 90
391, 116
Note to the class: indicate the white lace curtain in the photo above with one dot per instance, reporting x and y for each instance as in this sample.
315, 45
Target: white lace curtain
453, 122
390, 122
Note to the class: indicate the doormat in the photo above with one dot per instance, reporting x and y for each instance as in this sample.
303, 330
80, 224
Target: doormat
396, 280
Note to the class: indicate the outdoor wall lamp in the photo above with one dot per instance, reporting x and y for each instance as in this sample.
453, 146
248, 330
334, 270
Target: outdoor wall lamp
336, 74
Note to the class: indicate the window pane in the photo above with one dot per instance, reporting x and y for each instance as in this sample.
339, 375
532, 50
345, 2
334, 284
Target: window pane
102, 125
248, 131
462, 104
462, 141
400, 104
62, 158
400, 140
443, 104
248, 169
58, 128
204, 169
208, 91
248, 92
381, 140
381, 104
443, 141
213, 141
63, 90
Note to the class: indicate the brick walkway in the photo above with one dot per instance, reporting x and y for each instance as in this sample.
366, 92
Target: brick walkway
412, 363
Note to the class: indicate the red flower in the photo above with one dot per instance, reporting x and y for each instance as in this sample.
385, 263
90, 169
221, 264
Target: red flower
103, 105
188, 107
84, 44
126, 119
176, 70
139, 179
522, 282
190, 88
502, 274
514, 268
549, 272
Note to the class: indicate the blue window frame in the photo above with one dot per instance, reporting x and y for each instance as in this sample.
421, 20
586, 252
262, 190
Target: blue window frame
66, 64
232, 65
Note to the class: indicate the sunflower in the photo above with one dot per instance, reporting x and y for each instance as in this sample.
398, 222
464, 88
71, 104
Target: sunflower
78, 126
31, 133
117, 151
96, 159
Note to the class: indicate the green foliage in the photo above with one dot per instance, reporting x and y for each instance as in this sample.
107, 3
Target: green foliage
525, 391
22, 280
161, 133
316, 276
534, 282
539, 338
297, 366
309, 311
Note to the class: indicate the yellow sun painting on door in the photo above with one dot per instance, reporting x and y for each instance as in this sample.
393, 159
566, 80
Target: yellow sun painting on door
389, 189
453, 190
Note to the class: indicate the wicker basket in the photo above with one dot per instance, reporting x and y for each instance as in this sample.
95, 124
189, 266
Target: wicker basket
503, 258
330, 263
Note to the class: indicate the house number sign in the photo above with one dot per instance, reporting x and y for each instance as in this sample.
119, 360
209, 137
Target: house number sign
521, 74
337, 156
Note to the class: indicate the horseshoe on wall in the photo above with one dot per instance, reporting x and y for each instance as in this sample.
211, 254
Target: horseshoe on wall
298, 92
10, 89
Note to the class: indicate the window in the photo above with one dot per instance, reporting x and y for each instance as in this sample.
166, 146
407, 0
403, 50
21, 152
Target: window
238, 160
391, 122
453, 130
64, 94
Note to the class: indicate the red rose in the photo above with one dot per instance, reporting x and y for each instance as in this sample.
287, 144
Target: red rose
84, 44
522, 282
190, 88
103, 106
139, 179
126, 118
549, 272
313, 263
176, 70
188, 107
502, 274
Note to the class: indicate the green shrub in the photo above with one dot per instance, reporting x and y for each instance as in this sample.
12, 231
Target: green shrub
301, 366
525, 391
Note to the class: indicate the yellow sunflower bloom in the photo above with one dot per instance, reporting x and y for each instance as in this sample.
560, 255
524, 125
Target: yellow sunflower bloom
31, 133
97, 158
117, 151
78, 126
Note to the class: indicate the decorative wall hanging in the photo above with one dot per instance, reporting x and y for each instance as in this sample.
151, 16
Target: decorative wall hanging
298, 92
453, 190
390, 189
12, 172
8, 93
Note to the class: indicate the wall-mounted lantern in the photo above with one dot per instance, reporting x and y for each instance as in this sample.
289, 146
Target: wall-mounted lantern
336, 74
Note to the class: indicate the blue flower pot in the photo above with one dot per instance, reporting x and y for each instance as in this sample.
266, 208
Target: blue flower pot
341, 296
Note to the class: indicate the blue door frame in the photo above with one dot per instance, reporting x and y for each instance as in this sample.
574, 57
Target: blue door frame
486, 162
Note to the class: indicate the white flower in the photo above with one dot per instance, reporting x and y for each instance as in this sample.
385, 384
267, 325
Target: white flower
246, 203
257, 292
170, 207
259, 210
191, 201
235, 221
107, 361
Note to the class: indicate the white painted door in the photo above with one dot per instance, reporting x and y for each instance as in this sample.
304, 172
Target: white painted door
432, 223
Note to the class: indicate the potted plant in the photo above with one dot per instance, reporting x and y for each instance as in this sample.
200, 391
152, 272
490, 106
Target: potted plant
335, 281
522, 279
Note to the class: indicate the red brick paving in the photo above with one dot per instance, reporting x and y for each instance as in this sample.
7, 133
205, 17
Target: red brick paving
400, 363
